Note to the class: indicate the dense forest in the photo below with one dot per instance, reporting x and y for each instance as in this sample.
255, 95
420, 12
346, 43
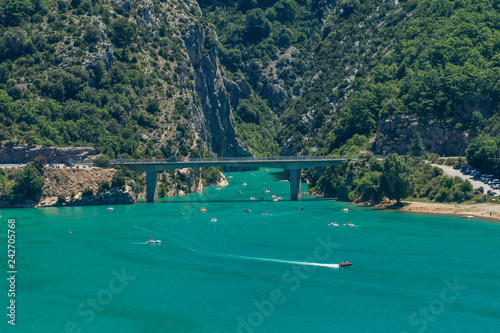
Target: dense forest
165, 78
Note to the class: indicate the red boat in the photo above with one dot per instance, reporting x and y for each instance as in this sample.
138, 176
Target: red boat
345, 264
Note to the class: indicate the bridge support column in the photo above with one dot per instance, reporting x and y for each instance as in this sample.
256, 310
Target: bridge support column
295, 186
152, 186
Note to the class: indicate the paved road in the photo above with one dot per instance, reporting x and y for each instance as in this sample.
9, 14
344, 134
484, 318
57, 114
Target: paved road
449, 171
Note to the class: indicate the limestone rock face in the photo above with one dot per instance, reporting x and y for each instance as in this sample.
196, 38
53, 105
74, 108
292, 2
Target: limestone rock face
209, 84
27, 153
395, 133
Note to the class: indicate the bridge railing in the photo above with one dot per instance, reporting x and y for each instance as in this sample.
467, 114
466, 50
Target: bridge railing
233, 159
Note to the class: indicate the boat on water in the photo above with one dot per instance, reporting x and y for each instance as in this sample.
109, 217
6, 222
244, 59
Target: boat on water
467, 216
346, 210
334, 224
218, 188
267, 191
110, 208
252, 198
213, 219
265, 213
248, 211
350, 224
230, 177
203, 209
244, 184
152, 241
344, 264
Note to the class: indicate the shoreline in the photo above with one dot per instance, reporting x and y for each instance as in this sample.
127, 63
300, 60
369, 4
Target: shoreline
482, 210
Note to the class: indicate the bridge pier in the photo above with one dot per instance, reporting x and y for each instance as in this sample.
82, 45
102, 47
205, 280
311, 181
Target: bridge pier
295, 186
152, 186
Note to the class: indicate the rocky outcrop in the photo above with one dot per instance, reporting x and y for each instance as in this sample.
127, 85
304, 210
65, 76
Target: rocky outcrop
27, 153
115, 196
209, 84
193, 179
276, 96
394, 135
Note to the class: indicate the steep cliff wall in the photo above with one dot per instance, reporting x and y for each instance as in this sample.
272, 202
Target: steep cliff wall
209, 84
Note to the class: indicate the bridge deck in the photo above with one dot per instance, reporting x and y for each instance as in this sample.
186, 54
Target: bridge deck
289, 163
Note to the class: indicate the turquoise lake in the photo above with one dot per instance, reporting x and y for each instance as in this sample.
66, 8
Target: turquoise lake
87, 269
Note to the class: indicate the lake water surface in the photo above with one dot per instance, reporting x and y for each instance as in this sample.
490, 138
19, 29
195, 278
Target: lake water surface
87, 269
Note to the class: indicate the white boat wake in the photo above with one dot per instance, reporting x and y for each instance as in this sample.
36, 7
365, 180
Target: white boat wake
305, 263
199, 250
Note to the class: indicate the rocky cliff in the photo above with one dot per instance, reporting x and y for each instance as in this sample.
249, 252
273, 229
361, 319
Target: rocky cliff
394, 136
27, 153
209, 84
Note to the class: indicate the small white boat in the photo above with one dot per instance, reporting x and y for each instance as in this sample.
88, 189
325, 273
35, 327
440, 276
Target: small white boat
244, 184
110, 208
345, 210
218, 188
152, 241
213, 219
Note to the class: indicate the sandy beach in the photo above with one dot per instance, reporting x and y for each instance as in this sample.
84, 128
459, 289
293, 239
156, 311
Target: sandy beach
485, 210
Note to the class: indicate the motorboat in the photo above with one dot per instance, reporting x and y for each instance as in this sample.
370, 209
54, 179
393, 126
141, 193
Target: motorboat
213, 219
350, 224
110, 208
344, 264
230, 177
244, 184
334, 224
152, 241
346, 210
267, 191
467, 216
252, 198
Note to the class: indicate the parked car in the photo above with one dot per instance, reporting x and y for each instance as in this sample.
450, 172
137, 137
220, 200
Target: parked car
480, 189
457, 166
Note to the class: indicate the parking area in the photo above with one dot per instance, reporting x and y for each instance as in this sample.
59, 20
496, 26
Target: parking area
475, 181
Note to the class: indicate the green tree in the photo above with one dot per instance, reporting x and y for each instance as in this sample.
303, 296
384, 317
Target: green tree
153, 106
104, 186
40, 162
28, 183
417, 145
257, 26
369, 186
286, 10
483, 153
331, 182
122, 32
102, 161
395, 183
118, 180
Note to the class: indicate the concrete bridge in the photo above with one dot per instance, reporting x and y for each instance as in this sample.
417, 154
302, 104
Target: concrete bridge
292, 164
